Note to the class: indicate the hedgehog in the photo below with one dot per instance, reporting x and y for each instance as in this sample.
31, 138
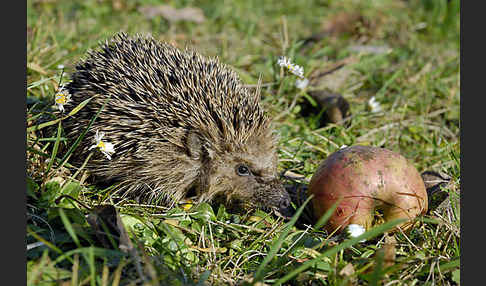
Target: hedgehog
182, 125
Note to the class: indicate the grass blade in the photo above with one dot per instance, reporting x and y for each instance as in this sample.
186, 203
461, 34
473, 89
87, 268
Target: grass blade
39, 82
69, 227
367, 235
38, 270
75, 271
378, 271
276, 246
80, 106
54, 149
81, 136
100, 252
47, 243
52, 122
92, 267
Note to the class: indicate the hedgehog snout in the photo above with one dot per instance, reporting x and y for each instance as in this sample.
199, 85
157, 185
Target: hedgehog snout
284, 206
276, 196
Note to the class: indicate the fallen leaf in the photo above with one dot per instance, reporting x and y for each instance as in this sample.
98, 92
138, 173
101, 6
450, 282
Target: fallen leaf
342, 22
347, 270
337, 24
109, 228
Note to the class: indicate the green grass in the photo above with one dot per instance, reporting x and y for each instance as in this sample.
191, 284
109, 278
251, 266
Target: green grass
416, 82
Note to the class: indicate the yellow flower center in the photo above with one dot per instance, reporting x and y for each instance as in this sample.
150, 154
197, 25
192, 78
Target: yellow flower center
61, 98
101, 145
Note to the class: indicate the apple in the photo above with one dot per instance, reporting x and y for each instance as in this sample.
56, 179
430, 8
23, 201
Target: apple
368, 180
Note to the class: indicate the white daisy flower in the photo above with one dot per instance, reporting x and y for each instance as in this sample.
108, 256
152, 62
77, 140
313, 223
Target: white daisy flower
355, 230
106, 148
62, 97
374, 105
301, 83
293, 68
283, 61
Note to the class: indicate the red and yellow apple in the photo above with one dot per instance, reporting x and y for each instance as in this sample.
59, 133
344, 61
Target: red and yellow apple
367, 179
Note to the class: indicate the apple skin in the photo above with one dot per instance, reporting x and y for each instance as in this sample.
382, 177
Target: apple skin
367, 179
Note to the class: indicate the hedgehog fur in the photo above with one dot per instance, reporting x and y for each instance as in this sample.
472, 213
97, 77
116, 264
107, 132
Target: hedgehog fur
180, 123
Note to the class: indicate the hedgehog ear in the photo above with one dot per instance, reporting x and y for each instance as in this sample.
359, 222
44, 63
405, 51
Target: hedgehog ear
197, 148
194, 145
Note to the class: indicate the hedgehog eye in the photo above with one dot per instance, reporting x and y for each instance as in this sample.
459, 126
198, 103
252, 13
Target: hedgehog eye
242, 170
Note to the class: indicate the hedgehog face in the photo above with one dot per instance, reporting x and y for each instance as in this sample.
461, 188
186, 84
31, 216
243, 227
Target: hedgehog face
244, 181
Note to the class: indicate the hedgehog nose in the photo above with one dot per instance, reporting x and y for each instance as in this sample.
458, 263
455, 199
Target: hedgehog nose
285, 207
